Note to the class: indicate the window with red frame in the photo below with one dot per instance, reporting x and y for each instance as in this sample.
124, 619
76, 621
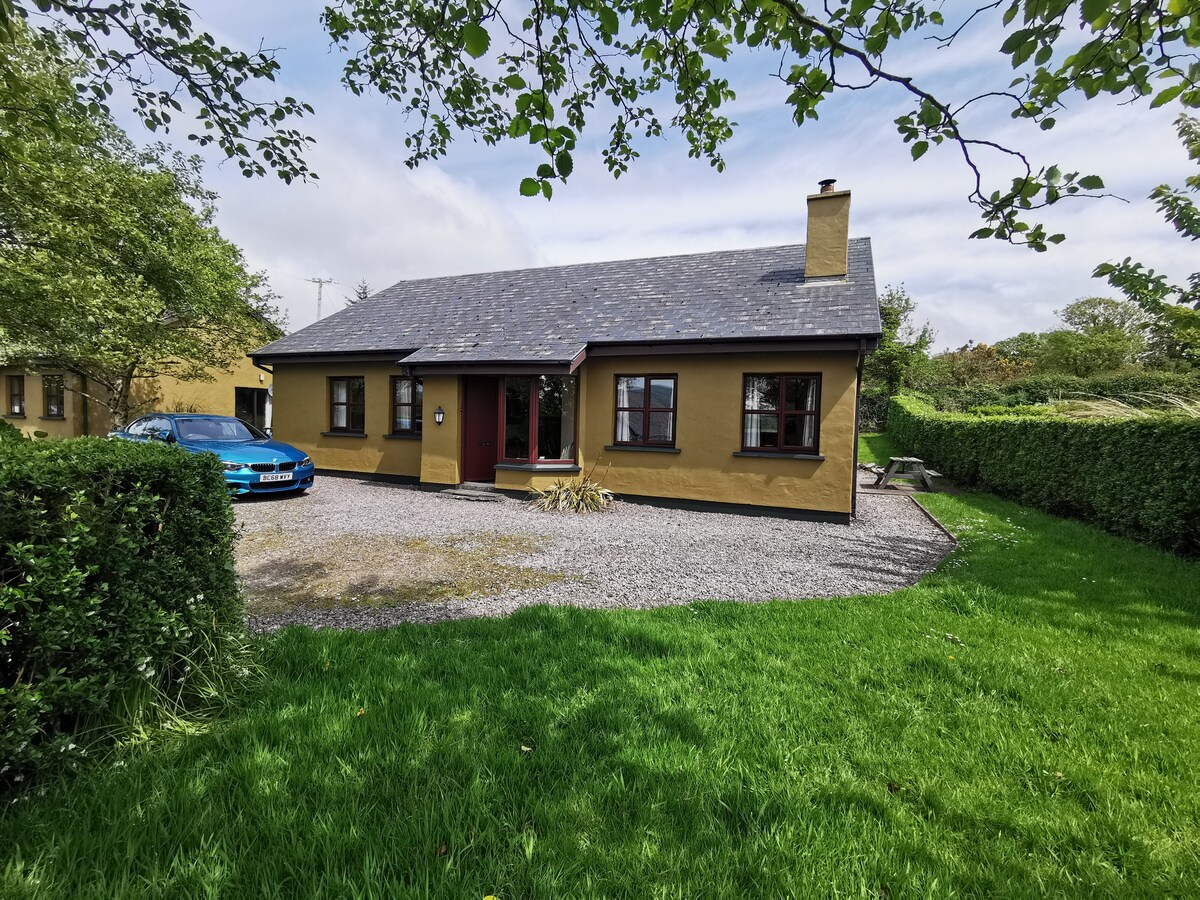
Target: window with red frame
407, 397
781, 412
347, 406
539, 418
645, 410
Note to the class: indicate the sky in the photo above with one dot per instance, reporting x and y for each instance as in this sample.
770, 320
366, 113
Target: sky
371, 218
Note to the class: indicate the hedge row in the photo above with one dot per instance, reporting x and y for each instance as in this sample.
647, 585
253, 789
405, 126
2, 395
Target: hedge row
1045, 388
117, 590
1138, 477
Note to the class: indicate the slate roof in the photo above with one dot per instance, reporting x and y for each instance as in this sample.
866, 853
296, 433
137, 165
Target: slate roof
550, 315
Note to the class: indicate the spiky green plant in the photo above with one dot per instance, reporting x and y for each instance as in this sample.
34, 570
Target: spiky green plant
580, 495
1135, 405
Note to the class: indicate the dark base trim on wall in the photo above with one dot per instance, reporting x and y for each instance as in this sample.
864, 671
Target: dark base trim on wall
742, 509
370, 476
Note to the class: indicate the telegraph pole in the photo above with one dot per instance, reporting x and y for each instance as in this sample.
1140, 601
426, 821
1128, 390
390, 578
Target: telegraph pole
320, 283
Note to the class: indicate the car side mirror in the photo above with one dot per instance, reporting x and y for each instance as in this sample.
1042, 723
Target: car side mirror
165, 436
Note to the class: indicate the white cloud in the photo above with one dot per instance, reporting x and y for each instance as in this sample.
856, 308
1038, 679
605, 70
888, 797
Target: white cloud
372, 218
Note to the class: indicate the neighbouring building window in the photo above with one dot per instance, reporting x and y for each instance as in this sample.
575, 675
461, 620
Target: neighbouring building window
539, 418
346, 404
780, 412
646, 410
16, 395
407, 395
52, 397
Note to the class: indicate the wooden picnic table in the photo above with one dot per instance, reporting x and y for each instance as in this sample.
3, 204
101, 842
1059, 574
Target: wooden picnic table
908, 468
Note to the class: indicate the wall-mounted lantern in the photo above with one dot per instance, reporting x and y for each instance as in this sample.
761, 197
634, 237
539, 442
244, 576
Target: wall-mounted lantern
438, 415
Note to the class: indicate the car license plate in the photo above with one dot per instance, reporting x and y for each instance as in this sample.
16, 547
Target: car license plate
277, 476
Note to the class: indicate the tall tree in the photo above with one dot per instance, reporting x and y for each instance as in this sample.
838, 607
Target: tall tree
1176, 304
362, 291
903, 344
1102, 335
974, 363
536, 73
110, 265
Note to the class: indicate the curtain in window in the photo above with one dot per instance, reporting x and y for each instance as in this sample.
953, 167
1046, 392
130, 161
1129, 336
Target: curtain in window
630, 392
402, 399
341, 396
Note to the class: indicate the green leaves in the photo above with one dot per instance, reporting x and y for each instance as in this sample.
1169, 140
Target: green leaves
111, 261
529, 187
475, 39
118, 571
557, 62
609, 22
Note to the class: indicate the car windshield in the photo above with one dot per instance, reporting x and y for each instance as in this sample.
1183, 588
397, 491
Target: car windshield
212, 428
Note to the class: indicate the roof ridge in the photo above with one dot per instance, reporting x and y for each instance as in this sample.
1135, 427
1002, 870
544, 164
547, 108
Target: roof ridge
601, 262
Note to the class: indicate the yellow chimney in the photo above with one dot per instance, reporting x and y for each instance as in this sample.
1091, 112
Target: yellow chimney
828, 249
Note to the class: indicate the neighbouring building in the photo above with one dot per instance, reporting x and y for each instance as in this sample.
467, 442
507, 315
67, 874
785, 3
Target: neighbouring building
728, 380
52, 403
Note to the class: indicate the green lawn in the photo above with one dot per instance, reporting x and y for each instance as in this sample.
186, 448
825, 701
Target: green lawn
876, 448
1023, 723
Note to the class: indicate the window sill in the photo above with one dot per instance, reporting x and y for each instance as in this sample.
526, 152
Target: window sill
52, 418
538, 467
14, 416
403, 436
639, 449
353, 434
779, 454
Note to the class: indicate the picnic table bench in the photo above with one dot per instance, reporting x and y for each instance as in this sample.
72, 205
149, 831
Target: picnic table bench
908, 468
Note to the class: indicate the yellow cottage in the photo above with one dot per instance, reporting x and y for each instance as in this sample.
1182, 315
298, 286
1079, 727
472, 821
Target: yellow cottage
721, 380
52, 403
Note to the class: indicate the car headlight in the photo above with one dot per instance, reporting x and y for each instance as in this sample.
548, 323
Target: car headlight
307, 461
235, 467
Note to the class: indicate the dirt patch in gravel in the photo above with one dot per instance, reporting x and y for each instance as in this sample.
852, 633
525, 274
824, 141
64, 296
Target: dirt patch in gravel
367, 571
358, 554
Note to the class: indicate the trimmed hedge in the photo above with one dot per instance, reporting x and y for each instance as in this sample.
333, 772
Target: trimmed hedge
1045, 388
117, 591
1138, 477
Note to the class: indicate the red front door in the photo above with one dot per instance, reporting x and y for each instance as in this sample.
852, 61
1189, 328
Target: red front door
481, 427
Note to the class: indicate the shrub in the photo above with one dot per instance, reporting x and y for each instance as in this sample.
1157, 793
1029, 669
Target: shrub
581, 495
872, 408
959, 399
1138, 476
9, 432
118, 600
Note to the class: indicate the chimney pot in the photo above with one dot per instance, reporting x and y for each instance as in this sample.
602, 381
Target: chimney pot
827, 185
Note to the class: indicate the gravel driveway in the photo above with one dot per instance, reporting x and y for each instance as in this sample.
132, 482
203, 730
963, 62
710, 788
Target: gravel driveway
358, 554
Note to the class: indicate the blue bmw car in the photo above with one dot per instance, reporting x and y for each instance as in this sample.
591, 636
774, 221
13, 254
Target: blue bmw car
254, 463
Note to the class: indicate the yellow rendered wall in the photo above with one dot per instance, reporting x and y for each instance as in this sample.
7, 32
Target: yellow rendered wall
162, 394
708, 432
301, 413
70, 425
214, 397
442, 444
